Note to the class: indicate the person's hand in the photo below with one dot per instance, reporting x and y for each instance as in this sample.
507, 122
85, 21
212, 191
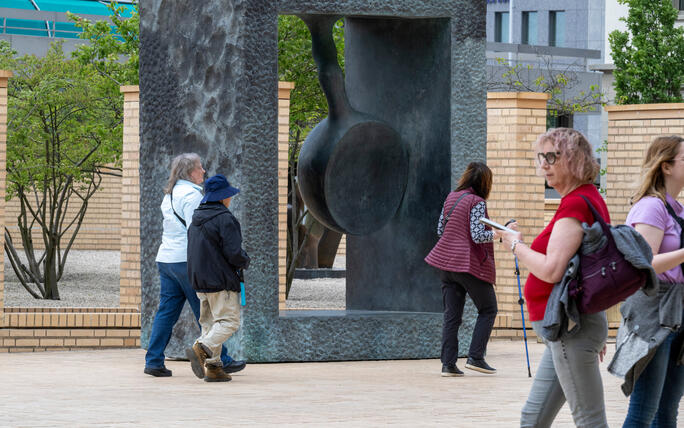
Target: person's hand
509, 237
496, 234
513, 225
603, 352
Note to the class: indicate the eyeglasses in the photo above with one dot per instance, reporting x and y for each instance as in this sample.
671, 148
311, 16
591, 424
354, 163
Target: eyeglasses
549, 157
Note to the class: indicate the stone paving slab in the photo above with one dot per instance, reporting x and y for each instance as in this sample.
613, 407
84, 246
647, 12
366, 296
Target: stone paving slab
108, 388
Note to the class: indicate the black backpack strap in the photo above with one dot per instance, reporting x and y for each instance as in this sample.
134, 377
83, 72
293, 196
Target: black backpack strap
679, 221
446, 219
174, 211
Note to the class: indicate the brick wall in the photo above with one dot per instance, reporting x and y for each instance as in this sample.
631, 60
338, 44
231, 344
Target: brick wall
284, 89
631, 128
4, 77
129, 203
48, 329
101, 225
514, 120
52, 329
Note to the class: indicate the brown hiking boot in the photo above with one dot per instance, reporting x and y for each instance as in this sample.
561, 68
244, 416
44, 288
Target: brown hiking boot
216, 374
197, 355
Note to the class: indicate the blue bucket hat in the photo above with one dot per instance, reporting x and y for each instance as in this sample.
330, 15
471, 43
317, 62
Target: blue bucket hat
217, 188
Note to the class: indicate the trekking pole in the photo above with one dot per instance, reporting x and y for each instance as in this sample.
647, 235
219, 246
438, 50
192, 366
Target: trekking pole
521, 302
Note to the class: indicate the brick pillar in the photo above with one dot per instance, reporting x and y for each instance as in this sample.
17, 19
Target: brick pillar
631, 128
284, 90
4, 77
130, 284
514, 120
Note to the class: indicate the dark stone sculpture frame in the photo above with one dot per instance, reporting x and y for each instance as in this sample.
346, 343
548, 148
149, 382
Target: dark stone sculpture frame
208, 84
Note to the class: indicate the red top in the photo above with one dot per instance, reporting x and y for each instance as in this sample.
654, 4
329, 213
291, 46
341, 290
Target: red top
572, 205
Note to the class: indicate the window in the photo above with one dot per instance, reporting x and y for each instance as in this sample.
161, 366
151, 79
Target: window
557, 27
501, 27
529, 28
681, 4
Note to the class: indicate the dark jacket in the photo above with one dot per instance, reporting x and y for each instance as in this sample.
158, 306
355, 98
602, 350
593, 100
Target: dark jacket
215, 249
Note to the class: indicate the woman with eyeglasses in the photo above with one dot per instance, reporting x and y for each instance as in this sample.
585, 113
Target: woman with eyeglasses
650, 345
569, 368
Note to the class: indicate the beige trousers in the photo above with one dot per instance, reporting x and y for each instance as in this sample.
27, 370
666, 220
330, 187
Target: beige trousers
219, 319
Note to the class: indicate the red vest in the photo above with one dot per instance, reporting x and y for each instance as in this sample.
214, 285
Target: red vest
455, 251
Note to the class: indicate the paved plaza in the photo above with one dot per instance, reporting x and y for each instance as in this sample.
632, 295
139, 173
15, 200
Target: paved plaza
108, 388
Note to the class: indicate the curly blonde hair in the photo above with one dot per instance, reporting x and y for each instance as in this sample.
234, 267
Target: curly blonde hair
576, 154
652, 182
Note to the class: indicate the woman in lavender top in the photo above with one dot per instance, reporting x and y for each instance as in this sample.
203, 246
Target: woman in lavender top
650, 340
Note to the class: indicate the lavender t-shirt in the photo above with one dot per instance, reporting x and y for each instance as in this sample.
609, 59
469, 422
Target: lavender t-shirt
652, 211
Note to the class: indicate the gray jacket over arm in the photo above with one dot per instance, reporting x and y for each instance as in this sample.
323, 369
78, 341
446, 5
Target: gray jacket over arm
646, 323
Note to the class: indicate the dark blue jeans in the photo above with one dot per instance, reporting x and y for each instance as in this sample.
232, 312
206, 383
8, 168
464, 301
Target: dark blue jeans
174, 291
657, 392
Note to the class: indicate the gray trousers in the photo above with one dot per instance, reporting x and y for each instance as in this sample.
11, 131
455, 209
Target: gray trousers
569, 369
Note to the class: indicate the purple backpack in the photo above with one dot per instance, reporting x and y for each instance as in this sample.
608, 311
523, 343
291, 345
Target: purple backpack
605, 278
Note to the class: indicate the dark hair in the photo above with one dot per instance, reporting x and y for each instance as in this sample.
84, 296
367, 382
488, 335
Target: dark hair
478, 176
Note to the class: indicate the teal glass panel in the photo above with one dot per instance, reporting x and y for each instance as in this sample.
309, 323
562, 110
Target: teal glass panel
89, 7
66, 30
17, 4
25, 27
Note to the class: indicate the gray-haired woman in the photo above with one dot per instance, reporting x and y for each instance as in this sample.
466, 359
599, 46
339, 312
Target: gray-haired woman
182, 194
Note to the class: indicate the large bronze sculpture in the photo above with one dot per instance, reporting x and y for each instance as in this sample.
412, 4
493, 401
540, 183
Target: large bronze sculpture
416, 99
352, 167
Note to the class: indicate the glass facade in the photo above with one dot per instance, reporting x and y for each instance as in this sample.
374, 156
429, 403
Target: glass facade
42, 28
556, 28
529, 28
501, 27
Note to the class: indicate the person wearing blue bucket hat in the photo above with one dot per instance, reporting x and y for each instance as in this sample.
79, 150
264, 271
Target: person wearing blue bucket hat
217, 188
215, 262
182, 195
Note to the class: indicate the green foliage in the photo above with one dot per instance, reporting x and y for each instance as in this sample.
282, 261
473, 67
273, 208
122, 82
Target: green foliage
649, 56
62, 131
114, 49
557, 83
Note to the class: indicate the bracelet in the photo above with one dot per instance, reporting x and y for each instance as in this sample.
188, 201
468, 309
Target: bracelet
514, 243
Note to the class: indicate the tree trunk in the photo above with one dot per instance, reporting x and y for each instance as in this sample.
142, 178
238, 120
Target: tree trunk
50, 271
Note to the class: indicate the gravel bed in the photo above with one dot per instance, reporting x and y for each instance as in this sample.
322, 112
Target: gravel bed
91, 279
319, 293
